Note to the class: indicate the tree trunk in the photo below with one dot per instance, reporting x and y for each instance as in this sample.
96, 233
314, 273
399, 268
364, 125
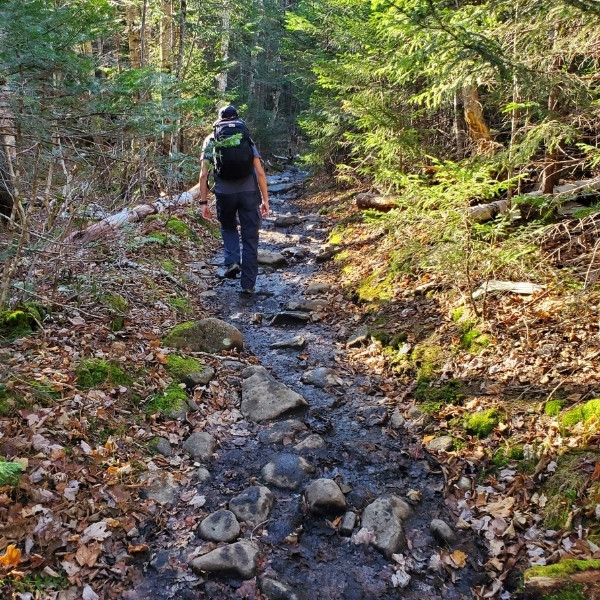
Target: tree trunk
166, 36
225, 39
460, 126
7, 153
477, 127
133, 17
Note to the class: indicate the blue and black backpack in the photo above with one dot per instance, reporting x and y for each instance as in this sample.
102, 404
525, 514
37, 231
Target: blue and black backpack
233, 150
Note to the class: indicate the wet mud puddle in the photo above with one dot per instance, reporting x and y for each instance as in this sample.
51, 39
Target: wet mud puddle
312, 543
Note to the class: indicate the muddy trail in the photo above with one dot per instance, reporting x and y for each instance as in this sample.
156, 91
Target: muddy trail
312, 545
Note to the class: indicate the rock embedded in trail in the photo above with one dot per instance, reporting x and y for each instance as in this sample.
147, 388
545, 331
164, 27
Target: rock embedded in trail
320, 377
312, 442
314, 289
348, 524
324, 495
442, 532
397, 421
443, 443
281, 430
162, 446
276, 590
265, 398
295, 343
287, 220
199, 446
253, 505
208, 335
290, 316
358, 336
287, 471
239, 558
384, 517
271, 259
221, 526
160, 486
195, 378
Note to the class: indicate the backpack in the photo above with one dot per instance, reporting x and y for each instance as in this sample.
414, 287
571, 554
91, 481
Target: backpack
233, 156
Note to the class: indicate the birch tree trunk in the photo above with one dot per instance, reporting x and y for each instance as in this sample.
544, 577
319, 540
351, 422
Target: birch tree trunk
7, 155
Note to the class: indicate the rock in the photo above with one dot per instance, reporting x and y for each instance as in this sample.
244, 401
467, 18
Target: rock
312, 442
348, 524
320, 377
162, 446
275, 590
239, 559
287, 471
265, 398
208, 335
397, 421
271, 259
290, 316
198, 377
464, 483
324, 495
358, 336
199, 446
442, 532
314, 289
202, 475
307, 305
295, 252
286, 220
221, 526
414, 413
160, 487
443, 443
373, 415
384, 518
253, 505
297, 343
327, 254
283, 429
160, 562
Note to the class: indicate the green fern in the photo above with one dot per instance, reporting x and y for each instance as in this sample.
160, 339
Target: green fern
9, 472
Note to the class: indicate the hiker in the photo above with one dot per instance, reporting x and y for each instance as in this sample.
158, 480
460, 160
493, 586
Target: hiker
240, 187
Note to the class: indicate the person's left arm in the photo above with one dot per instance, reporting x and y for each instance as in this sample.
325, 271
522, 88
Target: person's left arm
262, 186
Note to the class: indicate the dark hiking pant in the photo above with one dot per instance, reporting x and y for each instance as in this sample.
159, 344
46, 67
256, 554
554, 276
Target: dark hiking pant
245, 207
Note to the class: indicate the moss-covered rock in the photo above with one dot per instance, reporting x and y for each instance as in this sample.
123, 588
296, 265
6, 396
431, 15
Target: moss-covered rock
188, 370
552, 408
482, 424
181, 305
95, 372
20, 321
172, 403
565, 580
587, 414
432, 397
208, 335
178, 228
119, 308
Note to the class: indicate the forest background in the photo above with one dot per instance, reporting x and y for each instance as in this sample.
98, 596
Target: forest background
436, 107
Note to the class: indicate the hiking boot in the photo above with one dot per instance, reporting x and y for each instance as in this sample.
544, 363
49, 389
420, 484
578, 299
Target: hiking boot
232, 271
247, 291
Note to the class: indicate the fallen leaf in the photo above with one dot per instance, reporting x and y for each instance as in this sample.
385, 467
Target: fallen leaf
87, 556
459, 558
12, 557
96, 531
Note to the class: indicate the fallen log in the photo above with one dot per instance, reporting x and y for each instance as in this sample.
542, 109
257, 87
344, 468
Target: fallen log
540, 582
378, 202
131, 215
486, 212
515, 287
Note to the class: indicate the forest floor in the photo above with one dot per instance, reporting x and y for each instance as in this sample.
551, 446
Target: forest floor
488, 424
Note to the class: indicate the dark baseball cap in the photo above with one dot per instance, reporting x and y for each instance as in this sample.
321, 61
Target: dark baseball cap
228, 112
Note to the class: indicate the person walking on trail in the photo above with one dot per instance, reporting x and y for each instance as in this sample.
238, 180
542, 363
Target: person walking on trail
240, 188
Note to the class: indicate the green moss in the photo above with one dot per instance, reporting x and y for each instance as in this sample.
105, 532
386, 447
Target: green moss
117, 303
9, 472
564, 568
588, 414
552, 408
376, 287
570, 486
168, 266
432, 398
474, 341
428, 359
179, 228
482, 424
173, 338
571, 592
95, 372
37, 584
17, 323
171, 400
181, 305
504, 455
457, 313
178, 367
